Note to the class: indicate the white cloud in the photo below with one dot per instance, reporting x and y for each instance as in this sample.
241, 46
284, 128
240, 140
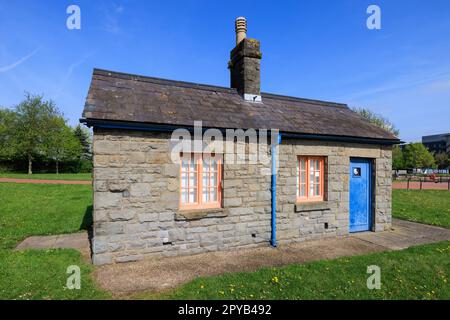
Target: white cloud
18, 62
69, 73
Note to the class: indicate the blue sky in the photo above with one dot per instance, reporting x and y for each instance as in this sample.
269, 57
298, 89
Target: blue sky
312, 49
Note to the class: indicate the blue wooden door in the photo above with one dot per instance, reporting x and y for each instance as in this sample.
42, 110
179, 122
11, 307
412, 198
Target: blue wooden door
360, 194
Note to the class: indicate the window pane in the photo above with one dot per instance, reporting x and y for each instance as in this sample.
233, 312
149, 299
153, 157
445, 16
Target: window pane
184, 180
192, 195
213, 179
302, 190
192, 179
206, 165
311, 181
311, 166
205, 179
317, 190
302, 164
205, 194
213, 194
214, 165
184, 196
303, 177
184, 165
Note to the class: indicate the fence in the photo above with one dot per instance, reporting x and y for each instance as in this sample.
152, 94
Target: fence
422, 183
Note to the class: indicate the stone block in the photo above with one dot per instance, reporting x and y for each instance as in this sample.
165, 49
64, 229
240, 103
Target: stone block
140, 190
105, 200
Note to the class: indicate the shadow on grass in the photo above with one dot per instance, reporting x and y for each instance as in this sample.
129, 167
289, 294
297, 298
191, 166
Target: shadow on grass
87, 223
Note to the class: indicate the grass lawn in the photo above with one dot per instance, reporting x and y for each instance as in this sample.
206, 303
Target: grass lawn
426, 206
48, 176
416, 273
44, 209
28, 209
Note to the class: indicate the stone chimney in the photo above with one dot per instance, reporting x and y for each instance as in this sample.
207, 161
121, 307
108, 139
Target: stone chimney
244, 64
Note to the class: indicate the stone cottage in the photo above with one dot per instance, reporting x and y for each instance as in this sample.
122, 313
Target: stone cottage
328, 171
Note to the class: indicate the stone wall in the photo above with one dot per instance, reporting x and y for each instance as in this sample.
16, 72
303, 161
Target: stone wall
308, 221
136, 199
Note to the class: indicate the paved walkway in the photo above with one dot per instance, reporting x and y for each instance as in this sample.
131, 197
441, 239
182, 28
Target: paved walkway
156, 274
40, 181
79, 241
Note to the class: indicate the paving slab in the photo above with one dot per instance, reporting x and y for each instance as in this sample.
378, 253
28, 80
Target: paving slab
79, 241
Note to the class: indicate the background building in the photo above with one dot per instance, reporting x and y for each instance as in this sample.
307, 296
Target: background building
437, 143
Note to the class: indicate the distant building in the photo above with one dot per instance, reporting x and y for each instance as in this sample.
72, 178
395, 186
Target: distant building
437, 143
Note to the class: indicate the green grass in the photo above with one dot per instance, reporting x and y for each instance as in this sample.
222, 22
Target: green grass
25, 209
416, 273
48, 176
426, 206
28, 209
41, 274
44, 209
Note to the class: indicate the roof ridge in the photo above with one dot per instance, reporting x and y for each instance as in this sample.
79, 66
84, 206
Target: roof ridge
157, 80
207, 87
312, 101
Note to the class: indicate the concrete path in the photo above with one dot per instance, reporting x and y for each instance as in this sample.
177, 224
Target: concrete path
157, 274
42, 181
78, 241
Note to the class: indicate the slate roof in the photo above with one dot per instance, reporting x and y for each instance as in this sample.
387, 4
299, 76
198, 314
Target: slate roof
115, 96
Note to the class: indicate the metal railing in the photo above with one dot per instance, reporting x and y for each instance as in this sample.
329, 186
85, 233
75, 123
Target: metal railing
421, 182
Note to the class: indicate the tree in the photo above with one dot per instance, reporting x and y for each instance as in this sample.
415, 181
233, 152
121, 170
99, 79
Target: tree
398, 161
442, 160
33, 126
377, 120
7, 119
61, 143
83, 136
417, 156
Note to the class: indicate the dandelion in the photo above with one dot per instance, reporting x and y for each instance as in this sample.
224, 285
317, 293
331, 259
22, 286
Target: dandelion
221, 292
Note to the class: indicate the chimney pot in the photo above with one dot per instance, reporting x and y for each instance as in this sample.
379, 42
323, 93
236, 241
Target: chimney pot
241, 29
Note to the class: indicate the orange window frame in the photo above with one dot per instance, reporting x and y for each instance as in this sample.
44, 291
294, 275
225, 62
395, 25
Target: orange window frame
199, 164
308, 197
